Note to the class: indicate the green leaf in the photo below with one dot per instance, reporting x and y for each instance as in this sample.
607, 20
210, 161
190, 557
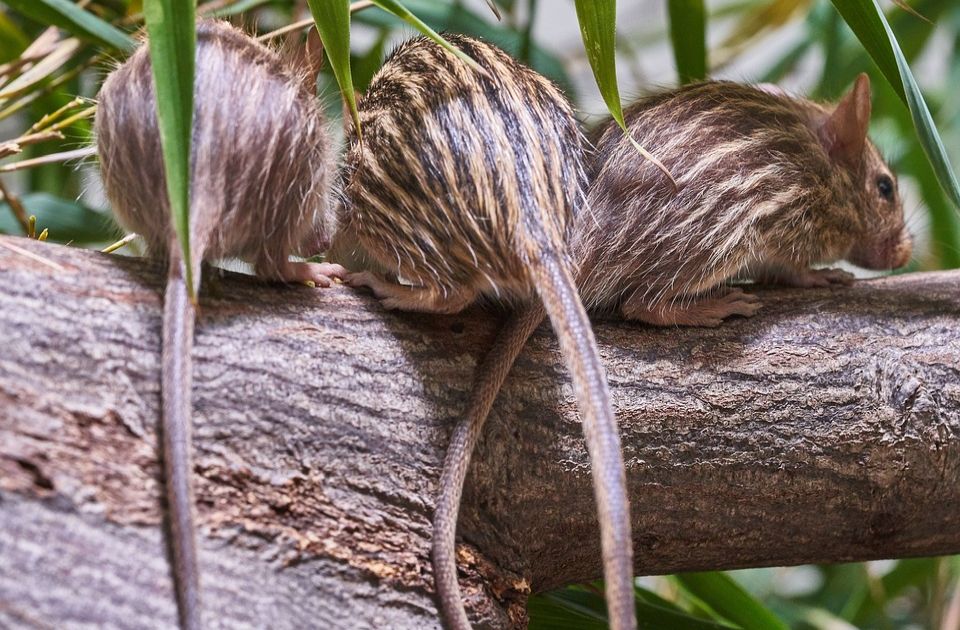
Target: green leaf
12, 39
171, 26
688, 32
77, 21
332, 18
721, 593
598, 27
579, 609
68, 221
867, 20
404, 14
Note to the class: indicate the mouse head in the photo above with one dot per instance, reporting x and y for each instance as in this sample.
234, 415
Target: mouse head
884, 241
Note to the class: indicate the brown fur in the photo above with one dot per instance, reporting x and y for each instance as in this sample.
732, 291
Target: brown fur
769, 185
260, 160
258, 191
466, 187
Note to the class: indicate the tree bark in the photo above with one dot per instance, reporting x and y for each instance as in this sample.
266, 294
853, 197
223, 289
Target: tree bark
824, 429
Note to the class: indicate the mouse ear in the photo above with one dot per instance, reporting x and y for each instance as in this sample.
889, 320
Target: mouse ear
844, 133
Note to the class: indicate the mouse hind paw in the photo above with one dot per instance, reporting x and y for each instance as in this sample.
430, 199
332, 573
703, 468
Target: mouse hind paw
706, 311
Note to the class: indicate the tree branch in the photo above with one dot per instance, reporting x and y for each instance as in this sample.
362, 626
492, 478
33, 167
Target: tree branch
823, 430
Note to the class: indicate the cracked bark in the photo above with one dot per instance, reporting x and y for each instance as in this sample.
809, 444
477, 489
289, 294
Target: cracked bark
823, 430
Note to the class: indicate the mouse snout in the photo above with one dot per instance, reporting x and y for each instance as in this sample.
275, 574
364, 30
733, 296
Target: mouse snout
890, 251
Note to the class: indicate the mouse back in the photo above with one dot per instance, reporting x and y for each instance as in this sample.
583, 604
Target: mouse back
468, 168
764, 179
260, 152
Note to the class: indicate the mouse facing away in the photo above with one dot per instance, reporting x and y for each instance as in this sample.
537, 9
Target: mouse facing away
768, 185
258, 191
465, 188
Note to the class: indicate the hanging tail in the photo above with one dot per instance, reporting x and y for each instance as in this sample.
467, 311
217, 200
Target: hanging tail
561, 301
490, 377
579, 347
178, 322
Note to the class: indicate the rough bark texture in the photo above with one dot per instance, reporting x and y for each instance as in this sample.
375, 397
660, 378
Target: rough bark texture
825, 429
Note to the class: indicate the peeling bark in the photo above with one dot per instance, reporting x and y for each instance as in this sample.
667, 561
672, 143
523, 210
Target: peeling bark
823, 430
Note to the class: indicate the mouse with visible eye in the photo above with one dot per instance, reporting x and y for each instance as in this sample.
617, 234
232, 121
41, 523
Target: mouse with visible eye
464, 189
259, 188
768, 185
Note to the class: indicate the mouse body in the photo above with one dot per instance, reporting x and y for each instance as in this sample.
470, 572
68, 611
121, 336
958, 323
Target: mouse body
260, 170
769, 185
464, 189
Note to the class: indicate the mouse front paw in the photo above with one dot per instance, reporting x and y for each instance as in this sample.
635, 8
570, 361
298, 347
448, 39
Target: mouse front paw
318, 274
814, 278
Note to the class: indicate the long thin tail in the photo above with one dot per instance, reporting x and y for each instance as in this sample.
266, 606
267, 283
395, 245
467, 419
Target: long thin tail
178, 320
579, 347
490, 377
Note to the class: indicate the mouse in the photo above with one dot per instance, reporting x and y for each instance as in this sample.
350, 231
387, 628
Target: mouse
464, 190
770, 187
260, 190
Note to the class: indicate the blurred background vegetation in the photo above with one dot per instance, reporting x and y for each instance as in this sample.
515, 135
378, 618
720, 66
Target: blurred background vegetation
49, 79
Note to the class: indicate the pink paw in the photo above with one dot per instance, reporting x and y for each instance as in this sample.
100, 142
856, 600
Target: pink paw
821, 278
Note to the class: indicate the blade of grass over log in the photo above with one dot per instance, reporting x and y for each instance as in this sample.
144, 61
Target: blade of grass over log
402, 12
332, 18
598, 28
75, 20
868, 22
171, 29
688, 32
727, 598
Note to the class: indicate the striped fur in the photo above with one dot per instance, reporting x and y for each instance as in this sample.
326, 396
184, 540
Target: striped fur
758, 195
438, 143
466, 187
260, 161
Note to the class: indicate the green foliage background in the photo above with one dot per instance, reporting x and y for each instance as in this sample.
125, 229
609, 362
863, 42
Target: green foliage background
43, 71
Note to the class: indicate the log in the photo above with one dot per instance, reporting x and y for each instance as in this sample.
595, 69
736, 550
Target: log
825, 429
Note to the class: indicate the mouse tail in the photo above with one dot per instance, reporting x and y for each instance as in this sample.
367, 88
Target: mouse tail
179, 315
490, 376
557, 289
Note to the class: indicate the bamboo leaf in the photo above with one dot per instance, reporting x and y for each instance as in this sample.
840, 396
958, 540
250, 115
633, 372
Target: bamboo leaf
75, 20
688, 32
171, 26
402, 12
868, 22
332, 18
721, 593
598, 27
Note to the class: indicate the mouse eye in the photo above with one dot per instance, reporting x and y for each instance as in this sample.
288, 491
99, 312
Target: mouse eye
885, 186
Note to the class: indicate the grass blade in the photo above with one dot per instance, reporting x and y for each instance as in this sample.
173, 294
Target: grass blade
868, 22
75, 20
721, 593
402, 12
688, 32
332, 18
598, 27
171, 27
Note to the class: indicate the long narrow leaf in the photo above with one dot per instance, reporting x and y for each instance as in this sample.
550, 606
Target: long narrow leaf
332, 18
171, 27
726, 597
72, 18
688, 32
868, 22
404, 14
598, 27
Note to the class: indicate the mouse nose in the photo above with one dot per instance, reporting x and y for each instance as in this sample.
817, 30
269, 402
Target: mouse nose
902, 249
